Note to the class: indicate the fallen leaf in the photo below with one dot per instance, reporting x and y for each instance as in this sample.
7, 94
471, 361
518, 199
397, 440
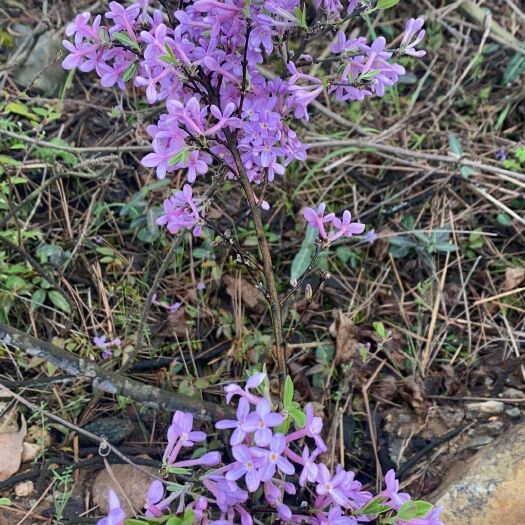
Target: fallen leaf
11, 446
176, 325
249, 295
513, 278
345, 333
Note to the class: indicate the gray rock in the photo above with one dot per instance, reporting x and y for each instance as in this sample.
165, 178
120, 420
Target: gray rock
488, 488
512, 393
513, 412
484, 408
479, 441
41, 70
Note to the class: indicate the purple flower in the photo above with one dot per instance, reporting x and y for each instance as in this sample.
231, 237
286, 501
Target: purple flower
328, 485
226, 492
335, 517
413, 28
261, 421
100, 341
371, 237
274, 458
391, 493
210, 459
181, 212
153, 498
345, 227
182, 425
310, 469
238, 434
501, 154
313, 427
116, 515
246, 465
106, 354
316, 219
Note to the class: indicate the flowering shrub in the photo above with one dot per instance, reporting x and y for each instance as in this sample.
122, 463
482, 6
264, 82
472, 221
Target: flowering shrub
236, 80
220, 108
236, 77
267, 468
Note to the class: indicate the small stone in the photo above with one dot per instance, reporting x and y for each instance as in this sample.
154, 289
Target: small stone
484, 408
512, 393
25, 488
479, 442
30, 451
134, 482
114, 429
488, 488
513, 412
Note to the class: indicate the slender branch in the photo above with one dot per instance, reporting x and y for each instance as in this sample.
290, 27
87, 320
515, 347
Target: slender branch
149, 299
110, 382
271, 287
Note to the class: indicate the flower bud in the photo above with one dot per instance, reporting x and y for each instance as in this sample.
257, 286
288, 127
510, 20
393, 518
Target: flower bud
308, 292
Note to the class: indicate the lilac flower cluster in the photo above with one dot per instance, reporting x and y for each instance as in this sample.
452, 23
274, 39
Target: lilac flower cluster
337, 227
269, 465
105, 345
206, 69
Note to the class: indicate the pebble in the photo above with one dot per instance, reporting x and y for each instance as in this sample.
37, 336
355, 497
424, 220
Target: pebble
512, 393
484, 408
479, 442
513, 412
25, 488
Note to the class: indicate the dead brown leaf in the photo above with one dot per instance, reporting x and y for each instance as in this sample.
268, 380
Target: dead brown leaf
11, 447
250, 296
345, 333
513, 278
176, 325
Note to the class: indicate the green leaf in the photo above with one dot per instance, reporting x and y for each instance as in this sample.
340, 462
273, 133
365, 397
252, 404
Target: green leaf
454, 145
133, 521
37, 299
20, 109
288, 391
304, 256
174, 520
374, 507
379, 329
423, 508
5, 501
407, 511
180, 471
386, 4
187, 519
181, 156
59, 301
301, 17
446, 247
504, 219
130, 71
125, 40
298, 416
170, 58
514, 69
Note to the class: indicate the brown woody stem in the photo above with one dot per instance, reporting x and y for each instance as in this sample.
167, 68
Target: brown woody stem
269, 277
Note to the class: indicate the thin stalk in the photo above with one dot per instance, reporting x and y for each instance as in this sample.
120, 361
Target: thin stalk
269, 277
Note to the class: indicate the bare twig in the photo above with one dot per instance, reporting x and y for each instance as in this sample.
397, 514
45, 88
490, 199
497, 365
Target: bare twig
110, 382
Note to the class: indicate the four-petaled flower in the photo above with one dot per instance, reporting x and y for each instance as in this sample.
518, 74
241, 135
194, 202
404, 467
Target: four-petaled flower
261, 421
